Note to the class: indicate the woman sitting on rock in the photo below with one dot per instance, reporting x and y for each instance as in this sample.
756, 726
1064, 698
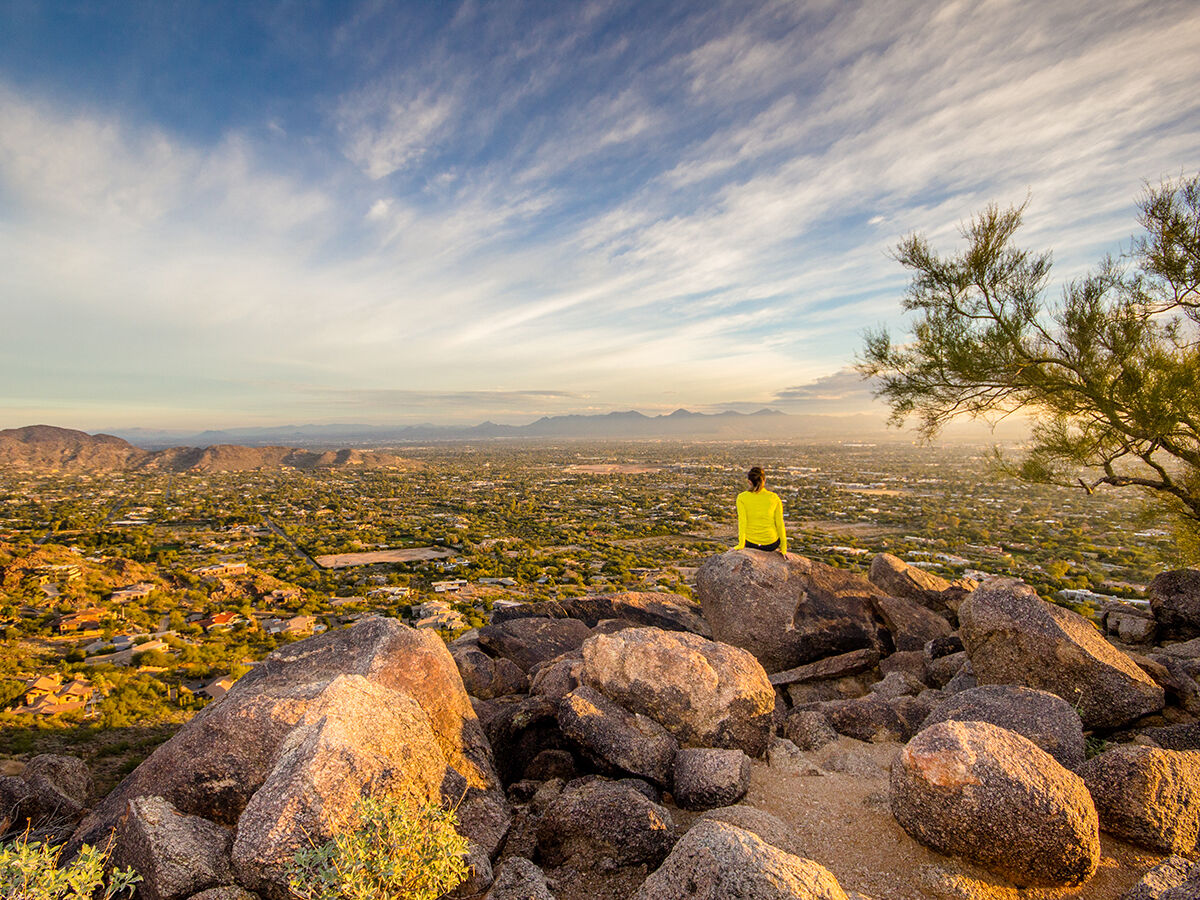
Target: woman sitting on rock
760, 517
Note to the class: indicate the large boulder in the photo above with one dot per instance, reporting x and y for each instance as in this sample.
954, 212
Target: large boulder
971, 789
897, 578
654, 609
706, 778
715, 861
1044, 718
529, 641
629, 741
1012, 636
705, 693
599, 824
787, 611
176, 855
1175, 601
1148, 796
376, 707
361, 739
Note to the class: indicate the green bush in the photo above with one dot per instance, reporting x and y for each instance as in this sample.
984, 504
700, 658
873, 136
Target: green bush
401, 850
29, 870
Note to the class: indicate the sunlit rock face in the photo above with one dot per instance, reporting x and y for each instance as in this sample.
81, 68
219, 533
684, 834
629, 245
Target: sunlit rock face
1012, 636
281, 759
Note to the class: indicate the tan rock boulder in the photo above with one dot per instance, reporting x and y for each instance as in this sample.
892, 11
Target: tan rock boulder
716, 861
787, 612
1148, 796
316, 710
974, 790
705, 693
357, 737
1012, 636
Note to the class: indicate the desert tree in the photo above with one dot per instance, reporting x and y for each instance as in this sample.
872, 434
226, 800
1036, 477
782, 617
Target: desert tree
1109, 373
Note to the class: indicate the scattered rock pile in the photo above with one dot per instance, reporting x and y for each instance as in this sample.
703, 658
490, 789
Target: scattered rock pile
584, 737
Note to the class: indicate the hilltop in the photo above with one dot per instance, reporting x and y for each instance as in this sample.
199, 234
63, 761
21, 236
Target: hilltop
45, 448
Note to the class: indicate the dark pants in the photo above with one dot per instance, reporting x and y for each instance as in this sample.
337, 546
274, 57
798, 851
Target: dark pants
774, 545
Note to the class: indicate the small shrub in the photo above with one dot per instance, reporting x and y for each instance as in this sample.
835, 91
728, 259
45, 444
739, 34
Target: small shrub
401, 850
29, 870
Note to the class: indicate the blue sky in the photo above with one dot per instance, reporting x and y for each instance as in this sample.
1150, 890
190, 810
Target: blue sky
219, 214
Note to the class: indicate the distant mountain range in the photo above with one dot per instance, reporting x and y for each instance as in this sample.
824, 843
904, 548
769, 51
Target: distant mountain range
679, 425
44, 448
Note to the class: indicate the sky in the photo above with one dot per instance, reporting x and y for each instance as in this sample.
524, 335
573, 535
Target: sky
226, 214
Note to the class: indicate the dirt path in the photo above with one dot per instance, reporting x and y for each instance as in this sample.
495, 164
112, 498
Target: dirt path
841, 820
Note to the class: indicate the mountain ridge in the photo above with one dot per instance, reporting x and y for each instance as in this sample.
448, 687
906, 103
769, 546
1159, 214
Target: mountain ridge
48, 448
616, 425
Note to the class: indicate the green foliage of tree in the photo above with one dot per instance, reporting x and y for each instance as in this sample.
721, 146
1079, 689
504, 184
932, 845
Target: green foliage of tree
30, 870
1108, 374
401, 850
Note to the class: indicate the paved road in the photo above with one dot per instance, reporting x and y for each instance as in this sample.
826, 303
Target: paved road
296, 547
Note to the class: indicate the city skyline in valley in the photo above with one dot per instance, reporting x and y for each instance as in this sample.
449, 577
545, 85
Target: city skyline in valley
229, 215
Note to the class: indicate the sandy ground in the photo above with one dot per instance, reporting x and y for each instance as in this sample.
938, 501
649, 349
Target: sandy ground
344, 560
841, 819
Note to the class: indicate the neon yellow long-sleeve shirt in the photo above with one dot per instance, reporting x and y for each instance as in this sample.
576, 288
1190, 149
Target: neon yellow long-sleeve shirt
760, 519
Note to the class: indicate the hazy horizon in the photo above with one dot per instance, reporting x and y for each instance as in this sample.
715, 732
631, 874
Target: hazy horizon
227, 215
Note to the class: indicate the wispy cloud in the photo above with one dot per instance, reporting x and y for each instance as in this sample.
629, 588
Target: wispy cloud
631, 208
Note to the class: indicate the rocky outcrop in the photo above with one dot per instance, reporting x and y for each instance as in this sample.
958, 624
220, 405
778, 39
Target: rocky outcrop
897, 578
716, 861
359, 738
1175, 601
378, 707
971, 789
176, 855
1042, 717
630, 742
786, 611
595, 823
707, 778
831, 667
1012, 636
1148, 796
529, 641
705, 693
653, 609
228, 892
